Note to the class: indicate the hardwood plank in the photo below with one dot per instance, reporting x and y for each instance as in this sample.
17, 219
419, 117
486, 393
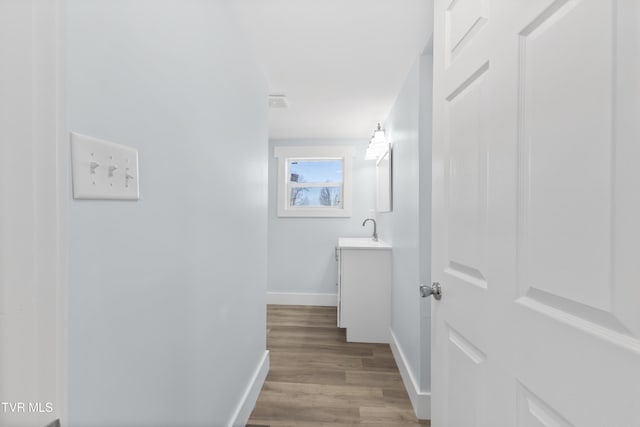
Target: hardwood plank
318, 379
330, 361
398, 397
375, 379
317, 350
324, 392
387, 416
313, 395
295, 411
379, 364
306, 376
279, 423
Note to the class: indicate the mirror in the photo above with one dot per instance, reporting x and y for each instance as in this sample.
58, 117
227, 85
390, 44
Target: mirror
384, 181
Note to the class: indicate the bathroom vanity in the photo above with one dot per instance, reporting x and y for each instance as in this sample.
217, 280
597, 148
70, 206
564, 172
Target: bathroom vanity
364, 289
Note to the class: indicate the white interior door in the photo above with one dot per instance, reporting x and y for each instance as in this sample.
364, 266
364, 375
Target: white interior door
536, 198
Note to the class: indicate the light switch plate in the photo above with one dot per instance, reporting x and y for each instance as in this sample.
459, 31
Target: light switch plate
103, 170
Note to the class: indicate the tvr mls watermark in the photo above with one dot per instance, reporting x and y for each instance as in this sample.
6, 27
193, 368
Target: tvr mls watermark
26, 407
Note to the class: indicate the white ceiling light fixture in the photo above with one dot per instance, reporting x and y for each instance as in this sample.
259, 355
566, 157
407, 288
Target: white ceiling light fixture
378, 145
278, 101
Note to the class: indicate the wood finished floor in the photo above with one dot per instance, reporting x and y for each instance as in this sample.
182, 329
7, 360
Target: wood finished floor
318, 379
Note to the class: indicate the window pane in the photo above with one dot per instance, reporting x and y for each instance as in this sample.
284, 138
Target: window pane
316, 197
315, 170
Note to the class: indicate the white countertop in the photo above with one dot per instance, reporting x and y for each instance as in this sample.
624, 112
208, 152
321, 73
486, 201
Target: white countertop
362, 243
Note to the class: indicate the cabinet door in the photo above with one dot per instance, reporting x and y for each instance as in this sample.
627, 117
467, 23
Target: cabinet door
365, 294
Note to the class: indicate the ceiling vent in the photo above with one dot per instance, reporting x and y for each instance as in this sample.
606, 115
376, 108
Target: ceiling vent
278, 101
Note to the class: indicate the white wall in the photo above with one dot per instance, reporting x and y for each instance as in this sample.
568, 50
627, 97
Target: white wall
407, 228
301, 250
401, 226
167, 294
32, 219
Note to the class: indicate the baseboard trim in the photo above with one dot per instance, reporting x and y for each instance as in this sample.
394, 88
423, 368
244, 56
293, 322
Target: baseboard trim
300, 298
420, 400
250, 396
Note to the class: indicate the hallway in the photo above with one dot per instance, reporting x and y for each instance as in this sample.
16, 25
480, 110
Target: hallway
317, 379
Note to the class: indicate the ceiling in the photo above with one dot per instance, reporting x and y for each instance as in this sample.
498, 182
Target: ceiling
340, 63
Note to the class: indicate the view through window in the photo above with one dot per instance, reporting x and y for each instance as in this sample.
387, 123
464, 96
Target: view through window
315, 182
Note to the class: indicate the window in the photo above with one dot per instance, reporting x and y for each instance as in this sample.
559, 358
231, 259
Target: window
314, 181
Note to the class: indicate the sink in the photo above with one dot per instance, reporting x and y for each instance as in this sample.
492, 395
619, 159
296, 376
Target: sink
362, 242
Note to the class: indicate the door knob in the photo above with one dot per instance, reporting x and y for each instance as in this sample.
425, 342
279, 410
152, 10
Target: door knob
435, 289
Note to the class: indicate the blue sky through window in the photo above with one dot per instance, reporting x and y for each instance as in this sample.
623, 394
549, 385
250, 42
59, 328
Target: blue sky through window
317, 170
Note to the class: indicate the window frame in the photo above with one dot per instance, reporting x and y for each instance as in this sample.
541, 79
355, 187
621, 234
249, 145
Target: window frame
284, 154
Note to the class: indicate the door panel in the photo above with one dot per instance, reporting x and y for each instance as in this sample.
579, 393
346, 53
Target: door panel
467, 180
535, 207
464, 18
460, 195
466, 372
533, 412
566, 125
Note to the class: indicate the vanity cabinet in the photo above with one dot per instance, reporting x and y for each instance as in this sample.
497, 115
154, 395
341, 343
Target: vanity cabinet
364, 289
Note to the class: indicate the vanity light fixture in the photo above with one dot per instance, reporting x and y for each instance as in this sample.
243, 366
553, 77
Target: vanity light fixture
378, 136
378, 145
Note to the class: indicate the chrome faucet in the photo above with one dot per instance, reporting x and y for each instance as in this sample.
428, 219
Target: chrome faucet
375, 228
